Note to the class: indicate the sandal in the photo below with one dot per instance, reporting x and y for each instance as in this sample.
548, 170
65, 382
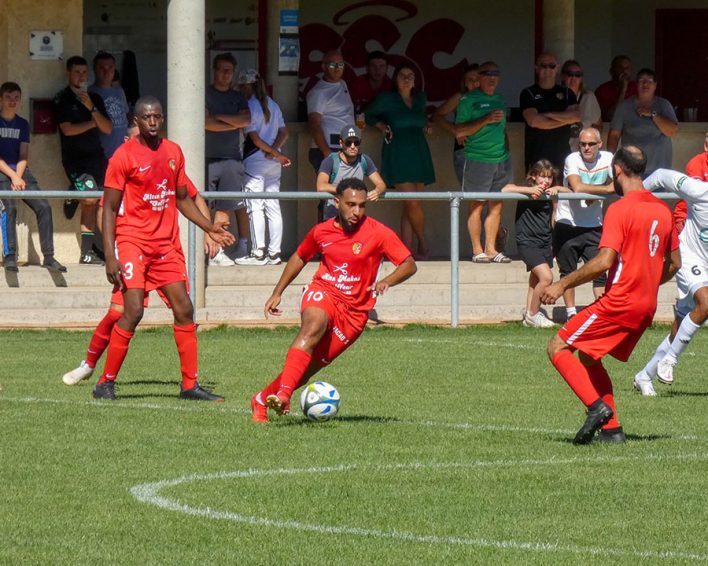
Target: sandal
481, 258
500, 258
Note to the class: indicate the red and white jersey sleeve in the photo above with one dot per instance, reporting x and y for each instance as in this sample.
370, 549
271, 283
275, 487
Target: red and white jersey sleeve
351, 260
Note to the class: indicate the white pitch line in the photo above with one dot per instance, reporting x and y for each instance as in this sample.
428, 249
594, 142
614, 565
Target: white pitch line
149, 493
474, 342
475, 427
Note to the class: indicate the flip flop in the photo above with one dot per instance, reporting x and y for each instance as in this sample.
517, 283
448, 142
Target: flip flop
481, 258
500, 258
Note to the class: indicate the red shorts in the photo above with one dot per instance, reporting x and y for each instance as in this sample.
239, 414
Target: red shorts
117, 297
144, 269
344, 325
595, 335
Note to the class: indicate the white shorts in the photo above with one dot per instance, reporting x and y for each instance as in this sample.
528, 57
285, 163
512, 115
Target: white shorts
692, 275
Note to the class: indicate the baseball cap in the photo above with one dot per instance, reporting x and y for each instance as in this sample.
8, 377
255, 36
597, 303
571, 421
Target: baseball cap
348, 132
249, 76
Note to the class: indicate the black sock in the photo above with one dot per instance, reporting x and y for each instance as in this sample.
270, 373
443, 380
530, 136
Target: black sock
86, 242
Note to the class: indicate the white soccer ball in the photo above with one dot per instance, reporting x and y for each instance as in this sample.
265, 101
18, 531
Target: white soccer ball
319, 401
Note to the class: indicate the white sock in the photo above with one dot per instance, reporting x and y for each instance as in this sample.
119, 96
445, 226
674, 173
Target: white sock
571, 311
650, 369
683, 337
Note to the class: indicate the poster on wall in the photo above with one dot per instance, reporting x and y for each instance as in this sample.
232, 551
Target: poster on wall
46, 45
289, 43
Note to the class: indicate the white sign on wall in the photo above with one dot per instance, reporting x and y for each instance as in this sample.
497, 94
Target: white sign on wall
47, 45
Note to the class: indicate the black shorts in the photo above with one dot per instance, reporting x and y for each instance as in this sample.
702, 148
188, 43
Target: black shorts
573, 243
534, 255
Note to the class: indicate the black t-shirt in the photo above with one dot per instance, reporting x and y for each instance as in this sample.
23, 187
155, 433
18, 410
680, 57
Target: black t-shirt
547, 144
533, 222
83, 150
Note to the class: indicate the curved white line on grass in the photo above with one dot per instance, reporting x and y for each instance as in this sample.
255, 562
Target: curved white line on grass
149, 493
211, 408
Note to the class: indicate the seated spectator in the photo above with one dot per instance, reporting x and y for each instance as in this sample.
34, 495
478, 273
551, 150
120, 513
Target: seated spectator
16, 176
367, 86
82, 118
104, 69
347, 163
590, 115
533, 236
613, 92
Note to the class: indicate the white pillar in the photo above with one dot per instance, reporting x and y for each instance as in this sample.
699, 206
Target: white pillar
559, 28
186, 55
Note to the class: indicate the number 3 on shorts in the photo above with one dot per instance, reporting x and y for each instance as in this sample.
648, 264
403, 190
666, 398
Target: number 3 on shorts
128, 270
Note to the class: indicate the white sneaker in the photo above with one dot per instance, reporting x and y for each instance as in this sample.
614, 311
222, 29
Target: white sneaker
221, 260
84, 371
252, 259
274, 259
537, 321
644, 386
665, 371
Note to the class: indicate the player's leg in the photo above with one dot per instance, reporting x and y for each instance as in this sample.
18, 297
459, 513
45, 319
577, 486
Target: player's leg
611, 431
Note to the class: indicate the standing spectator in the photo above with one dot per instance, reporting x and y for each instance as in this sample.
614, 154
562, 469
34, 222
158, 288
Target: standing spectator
613, 92
329, 109
647, 121
376, 80
407, 164
534, 226
226, 113
481, 120
265, 135
549, 110
578, 227
470, 82
590, 115
82, 119
16, 176
348, 163
104, 69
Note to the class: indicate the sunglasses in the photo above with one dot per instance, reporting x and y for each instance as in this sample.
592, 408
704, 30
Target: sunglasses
355, 143
589, 144
490, 73
335, 66
548, 65
576, 74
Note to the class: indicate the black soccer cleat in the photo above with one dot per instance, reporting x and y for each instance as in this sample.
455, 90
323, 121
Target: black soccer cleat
105, 390
611, 436
198, 393
599, 414
91, 258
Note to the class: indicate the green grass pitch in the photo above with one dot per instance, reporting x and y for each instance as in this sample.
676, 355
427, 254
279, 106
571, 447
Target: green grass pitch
452, 446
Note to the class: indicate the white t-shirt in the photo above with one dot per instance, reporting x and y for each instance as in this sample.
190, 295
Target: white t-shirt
333, 102
266, 131
580, 212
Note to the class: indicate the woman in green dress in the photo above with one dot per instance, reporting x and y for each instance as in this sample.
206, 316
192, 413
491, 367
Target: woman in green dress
407, 164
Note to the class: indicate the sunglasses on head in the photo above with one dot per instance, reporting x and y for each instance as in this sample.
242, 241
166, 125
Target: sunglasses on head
355, 142
589, 144
576, 74
548, 65
334, 65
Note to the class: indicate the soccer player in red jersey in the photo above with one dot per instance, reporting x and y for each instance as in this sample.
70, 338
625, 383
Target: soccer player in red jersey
146, 182
335, 305
639, 246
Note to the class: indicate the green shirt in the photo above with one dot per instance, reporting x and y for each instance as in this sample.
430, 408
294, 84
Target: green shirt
489, 143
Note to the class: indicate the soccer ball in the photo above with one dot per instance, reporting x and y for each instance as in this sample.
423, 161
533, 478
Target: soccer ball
319, 401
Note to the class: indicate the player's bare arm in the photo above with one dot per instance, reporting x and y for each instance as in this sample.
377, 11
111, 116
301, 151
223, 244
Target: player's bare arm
211, 248
190, 211
405, 270
292, 269
589, 271
672, 263
111, 203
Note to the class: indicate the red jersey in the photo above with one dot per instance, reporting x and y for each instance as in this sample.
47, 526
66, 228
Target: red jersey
640, 228
608, 93
350, 261
149, 180
697, 168
363, 93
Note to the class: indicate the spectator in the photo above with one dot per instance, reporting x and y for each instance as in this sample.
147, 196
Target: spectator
348, 163
481, 120
470, 81
533, 236
16, 176
329, 109
82, 119
376, 80
226, 113
578, 227
613, 92
549, 110
104, 69
407, 164
265, 135
647, 121
590, 115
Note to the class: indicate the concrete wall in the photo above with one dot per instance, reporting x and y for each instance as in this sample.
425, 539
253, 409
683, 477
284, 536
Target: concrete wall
41, 79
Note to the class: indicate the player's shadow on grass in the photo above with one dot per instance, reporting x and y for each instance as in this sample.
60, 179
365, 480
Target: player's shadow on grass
301, 420
173, 383
685, 394
630, 437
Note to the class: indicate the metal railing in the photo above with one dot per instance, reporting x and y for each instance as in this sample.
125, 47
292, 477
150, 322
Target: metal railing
453, 197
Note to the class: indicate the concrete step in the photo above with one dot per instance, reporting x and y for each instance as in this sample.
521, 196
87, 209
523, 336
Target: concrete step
35, 277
